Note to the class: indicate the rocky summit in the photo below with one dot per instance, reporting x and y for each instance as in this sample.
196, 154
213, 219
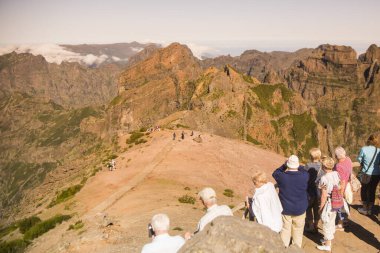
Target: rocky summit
233, 235
61, 124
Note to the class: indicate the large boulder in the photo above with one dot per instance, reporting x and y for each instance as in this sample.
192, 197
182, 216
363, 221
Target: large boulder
233, 235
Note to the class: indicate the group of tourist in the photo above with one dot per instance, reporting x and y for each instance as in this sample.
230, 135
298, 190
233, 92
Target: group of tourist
307, 195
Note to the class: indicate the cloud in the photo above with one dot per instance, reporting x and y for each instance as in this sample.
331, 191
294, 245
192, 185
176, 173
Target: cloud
200, 50
136, 49
54, 53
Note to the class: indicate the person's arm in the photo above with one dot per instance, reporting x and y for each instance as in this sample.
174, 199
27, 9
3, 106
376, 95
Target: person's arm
276, 174
323, 198
361, 156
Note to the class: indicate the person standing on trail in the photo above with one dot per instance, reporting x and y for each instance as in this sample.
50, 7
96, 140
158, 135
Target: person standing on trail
183, 135
113, 164
292, 181
192, 133
174, 135
162, 241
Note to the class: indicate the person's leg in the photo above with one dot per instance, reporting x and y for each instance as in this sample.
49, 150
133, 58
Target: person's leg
328, 228
309, 219
372, 185
316, 214
286, 229
364, 197
298, 225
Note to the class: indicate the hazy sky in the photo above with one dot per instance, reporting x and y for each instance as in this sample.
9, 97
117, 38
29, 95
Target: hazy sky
212, 24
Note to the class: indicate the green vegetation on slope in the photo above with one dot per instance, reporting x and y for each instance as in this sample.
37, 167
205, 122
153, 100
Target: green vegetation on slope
66, 194
25, 224
65, 125
44, 226
265, 94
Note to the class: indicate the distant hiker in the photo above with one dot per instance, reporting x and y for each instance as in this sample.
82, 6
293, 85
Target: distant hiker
113, 164
192, 133
292, 181
174, 135
344, 169
162, 241
314, 168
183, 135
208, 198
198, 139
330, 199
266, 205
109, 166
369, 176
227, 70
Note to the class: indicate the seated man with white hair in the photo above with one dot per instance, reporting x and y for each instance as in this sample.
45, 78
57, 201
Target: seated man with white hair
208, 198
162, 242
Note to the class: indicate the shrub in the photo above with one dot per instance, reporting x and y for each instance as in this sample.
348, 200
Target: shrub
66, 194
15, 246
44, 226
178, 229
252, 140
25, 224
135, 136
187, 199
8, 229
228, 193
187, 188
77, 225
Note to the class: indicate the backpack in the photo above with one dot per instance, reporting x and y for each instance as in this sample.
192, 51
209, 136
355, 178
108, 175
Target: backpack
336, 199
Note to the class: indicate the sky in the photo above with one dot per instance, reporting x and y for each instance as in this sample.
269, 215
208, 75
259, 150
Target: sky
213, 26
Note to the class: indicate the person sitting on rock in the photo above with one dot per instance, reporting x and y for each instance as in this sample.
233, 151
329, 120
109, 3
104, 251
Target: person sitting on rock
208, 198
265, 203
162, 241
292, 181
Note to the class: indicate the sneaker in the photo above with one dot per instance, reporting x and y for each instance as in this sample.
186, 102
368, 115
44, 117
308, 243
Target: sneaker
324, 247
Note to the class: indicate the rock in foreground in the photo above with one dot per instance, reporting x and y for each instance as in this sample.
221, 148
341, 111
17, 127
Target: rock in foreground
233, 235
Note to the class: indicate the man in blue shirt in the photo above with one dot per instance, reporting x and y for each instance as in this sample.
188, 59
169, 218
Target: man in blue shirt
292, 181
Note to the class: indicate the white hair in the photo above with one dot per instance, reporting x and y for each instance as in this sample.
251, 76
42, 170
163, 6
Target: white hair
208, 195
340, 153
160, 222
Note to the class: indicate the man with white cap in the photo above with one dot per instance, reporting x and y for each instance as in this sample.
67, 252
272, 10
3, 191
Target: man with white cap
292, 181
162, 241
208, 198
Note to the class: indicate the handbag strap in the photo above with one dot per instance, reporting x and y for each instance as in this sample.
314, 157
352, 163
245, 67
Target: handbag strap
373, 158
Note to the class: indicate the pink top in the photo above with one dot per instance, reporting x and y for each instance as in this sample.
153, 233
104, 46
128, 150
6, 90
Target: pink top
344, 169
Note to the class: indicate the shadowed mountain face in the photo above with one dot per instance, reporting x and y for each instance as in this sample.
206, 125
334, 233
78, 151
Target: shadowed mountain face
60, 122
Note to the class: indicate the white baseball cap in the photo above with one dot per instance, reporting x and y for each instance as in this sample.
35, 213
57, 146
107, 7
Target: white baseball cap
293, 162
207, 194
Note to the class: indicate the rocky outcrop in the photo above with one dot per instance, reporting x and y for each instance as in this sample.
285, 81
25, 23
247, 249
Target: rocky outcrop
257, 64
233, 235
372, 54
70, 85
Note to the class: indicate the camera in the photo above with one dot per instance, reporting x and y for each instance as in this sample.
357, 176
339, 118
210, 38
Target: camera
151, 231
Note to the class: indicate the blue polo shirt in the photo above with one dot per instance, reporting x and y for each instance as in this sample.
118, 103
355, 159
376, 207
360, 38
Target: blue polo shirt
292, 190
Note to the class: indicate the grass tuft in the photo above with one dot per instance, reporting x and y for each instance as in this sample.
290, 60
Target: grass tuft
187, 199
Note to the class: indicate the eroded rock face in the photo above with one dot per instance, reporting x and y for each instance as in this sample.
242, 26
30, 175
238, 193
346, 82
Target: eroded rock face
233, 235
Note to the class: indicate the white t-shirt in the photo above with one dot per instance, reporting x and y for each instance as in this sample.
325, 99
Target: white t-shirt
328, 180
213, 212
164, 244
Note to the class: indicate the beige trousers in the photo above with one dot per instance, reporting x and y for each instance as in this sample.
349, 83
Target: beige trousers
328, 227
293, 228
